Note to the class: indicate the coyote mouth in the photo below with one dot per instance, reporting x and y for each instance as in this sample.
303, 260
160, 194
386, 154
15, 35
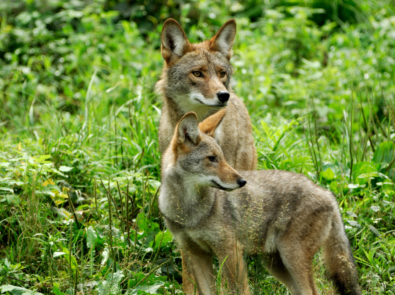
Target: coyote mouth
221, 187
212, 105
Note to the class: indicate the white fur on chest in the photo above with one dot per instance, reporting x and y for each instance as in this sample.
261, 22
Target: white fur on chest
218, 133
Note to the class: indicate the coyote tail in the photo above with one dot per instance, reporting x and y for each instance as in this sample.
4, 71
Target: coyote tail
339, 259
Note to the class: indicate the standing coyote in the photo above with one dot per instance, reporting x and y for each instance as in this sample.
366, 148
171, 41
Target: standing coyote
282, 216
196, 77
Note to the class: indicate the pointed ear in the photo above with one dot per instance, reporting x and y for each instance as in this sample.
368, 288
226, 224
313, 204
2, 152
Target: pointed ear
223, 40
174, 41
188, 129
209, 125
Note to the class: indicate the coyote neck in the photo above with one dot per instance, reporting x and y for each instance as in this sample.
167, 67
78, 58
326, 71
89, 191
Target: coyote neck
172, 109
182, 201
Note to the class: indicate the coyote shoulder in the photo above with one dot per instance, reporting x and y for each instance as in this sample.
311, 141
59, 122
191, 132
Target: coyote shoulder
196, 77
212, 209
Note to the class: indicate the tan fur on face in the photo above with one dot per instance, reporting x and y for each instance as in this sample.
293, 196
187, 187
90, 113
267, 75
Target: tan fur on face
191, 137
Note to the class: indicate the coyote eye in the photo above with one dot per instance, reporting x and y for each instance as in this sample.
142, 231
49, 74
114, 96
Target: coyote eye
212, 159
222, 74
197, 74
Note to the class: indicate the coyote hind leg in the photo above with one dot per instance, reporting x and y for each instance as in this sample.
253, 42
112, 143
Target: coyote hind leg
298, 259
274, 264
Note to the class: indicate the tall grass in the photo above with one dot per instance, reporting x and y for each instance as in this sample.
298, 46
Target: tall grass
79, 157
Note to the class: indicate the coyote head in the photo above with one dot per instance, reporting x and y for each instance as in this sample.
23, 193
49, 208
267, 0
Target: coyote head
194, 154
196, 76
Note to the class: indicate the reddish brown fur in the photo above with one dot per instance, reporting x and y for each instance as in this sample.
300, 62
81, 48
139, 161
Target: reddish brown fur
208, 126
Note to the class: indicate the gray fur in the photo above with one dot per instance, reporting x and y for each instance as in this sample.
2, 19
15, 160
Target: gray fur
282, 216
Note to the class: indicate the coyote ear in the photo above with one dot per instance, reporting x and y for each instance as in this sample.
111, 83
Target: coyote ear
174, 41
223, 40
209, 125
188, 129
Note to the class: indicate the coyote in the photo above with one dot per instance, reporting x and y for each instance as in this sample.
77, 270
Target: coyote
283, 217
196, 77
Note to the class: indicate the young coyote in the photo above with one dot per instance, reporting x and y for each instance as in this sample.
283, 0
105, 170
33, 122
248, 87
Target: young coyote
196, 77
282, 216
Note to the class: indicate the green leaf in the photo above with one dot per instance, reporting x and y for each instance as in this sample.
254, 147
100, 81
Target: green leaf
106, 255
352, 214
57, 254
374, 230
147, 289
92, 236
369, 175
42, 159
111, 284
57, 291
328, 174
65, 169
147, 225
354, 223
384, 153
74, 264
362, 171
7, 189
165, 237
17, 290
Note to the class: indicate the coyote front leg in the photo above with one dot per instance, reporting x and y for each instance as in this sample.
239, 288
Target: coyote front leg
197, 274
235, 270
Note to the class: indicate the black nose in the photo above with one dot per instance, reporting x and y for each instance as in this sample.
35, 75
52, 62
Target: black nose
223, 96
241, 182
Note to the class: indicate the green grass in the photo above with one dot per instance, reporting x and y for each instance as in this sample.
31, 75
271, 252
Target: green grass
79, 156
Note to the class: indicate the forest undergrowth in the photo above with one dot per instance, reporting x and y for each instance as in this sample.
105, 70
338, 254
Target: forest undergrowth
79, 154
